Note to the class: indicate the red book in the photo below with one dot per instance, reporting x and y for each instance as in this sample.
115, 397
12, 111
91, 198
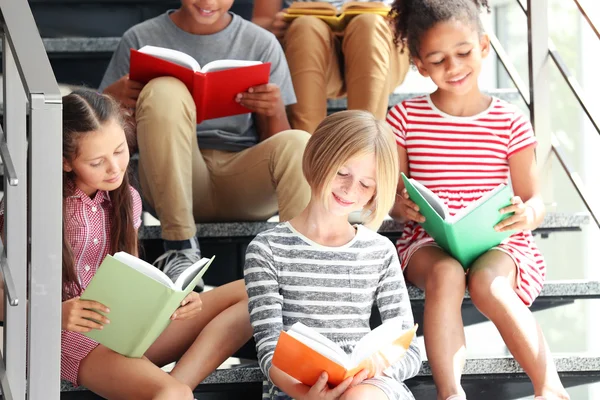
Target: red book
213, 86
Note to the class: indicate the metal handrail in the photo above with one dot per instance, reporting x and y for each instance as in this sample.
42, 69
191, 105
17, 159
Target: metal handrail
572, 82
34, 65
573, 86
31, 150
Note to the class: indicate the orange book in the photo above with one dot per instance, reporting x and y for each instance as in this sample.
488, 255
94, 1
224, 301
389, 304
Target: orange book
337, 19
304, 354
213, 86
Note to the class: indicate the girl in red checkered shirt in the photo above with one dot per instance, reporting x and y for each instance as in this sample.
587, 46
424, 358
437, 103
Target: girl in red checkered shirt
101, 216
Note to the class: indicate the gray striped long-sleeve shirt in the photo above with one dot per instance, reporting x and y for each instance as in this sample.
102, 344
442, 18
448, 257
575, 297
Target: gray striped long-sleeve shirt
290, 279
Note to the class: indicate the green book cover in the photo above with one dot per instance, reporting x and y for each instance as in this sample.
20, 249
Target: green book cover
141, 300
470, 232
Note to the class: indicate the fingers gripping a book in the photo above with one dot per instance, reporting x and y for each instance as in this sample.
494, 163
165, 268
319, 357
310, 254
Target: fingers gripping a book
190, 307
83, 315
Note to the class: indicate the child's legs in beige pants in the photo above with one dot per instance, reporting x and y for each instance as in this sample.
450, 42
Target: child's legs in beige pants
365, 64
185, 185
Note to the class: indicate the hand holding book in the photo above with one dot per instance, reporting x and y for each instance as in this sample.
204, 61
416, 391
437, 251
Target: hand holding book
81, 315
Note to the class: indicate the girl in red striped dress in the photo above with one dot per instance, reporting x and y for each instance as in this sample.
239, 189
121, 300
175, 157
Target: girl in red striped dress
461, 143
101, 216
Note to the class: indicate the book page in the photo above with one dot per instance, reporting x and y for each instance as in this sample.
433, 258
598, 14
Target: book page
374, 340
219, 65
144, 267
187, 276
435, 202
312, 8
473, 205
319, 343
174, 56
361, 5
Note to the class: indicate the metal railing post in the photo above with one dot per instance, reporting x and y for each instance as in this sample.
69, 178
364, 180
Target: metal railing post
15, 246
539, 76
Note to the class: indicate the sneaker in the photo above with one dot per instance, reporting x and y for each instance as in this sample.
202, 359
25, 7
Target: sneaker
174, 262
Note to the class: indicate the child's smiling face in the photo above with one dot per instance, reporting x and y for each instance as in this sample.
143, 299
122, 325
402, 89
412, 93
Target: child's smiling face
101, 160
451, 53
207, 13
353, 186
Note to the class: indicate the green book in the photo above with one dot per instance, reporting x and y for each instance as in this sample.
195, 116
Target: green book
470, 232
141, 300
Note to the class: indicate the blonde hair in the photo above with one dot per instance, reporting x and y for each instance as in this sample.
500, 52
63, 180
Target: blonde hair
345, 135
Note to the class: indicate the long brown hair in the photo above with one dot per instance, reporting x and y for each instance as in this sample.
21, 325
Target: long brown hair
85, 111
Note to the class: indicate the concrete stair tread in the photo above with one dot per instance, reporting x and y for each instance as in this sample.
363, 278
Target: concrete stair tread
559, 289
552, 221
574, 363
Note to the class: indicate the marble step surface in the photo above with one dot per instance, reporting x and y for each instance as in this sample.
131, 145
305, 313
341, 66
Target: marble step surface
554, 221
474, 367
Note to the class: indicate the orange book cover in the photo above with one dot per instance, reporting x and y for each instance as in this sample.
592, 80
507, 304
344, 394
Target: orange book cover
304, 354
213, 87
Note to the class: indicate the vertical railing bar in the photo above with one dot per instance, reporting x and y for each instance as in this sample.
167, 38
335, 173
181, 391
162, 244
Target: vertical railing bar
15, 201
575, 180
572, 82
539, 76
45, 268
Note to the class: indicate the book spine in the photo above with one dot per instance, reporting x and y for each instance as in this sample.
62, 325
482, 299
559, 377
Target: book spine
200, 97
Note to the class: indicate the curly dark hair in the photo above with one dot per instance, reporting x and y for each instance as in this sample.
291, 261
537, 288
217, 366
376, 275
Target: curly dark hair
412, 18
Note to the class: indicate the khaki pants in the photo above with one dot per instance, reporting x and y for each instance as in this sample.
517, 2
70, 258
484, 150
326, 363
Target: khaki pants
363, 63
185, 184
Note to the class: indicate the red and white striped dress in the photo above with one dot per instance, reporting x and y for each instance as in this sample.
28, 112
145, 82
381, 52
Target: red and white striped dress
460, 159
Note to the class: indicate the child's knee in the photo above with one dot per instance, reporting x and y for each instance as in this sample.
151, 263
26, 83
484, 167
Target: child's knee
165, 96
305, 26
289, 145
485, 285
445, 275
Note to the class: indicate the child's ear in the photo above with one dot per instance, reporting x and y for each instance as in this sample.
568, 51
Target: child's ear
67, 165
421, 67
484, 43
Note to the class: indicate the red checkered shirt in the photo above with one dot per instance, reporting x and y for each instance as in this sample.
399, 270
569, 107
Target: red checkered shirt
88, 225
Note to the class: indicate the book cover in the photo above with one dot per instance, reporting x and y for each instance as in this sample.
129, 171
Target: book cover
304, 354
337, 19
141, 300
213, 91
470, 232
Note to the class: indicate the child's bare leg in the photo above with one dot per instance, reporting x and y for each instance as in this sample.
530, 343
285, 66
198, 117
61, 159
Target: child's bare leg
201, 344
443, 280
116, 377
492, 280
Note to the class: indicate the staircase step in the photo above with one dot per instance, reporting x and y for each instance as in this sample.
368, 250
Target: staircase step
552, 222
475, 367
553, 290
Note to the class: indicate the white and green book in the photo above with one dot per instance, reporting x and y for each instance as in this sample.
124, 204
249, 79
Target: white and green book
141, 300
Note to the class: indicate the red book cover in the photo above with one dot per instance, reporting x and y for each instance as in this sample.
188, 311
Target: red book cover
213, 91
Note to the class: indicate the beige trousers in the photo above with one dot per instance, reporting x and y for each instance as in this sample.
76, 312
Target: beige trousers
363, 63
185, 184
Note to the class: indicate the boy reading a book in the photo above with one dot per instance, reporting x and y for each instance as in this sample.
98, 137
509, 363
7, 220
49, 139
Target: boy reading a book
320, 270
362, 62
238, 168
